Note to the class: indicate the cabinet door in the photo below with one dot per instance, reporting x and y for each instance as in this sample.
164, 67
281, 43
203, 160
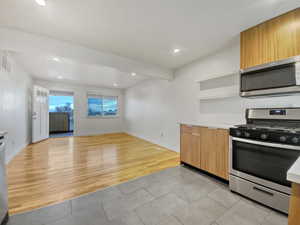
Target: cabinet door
272, 40
208, 152
222, 154
185, 147
195, 148
294, 215
190, 146
214, 151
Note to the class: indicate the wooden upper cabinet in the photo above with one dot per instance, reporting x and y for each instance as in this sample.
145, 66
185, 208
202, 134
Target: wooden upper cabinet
214, 151
275, 39
190, 145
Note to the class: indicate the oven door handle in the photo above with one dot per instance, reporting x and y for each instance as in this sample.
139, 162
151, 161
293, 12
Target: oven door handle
274, 145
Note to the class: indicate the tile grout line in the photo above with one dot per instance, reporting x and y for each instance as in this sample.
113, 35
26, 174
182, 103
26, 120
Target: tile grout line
138, 216
178, 220
102, 206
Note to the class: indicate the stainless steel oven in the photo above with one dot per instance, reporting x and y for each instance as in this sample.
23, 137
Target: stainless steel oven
261, 153
263, 163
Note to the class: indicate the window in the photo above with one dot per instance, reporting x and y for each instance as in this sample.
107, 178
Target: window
102, 105
110, 106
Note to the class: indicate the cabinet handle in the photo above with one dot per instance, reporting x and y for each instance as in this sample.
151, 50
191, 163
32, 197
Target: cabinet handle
263, 191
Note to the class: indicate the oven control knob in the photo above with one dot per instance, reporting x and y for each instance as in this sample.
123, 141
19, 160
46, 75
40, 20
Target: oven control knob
282, 138
295, 140
247, 134
264, 136
238, 133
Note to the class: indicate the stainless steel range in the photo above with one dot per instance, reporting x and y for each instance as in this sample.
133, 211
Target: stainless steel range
261, 153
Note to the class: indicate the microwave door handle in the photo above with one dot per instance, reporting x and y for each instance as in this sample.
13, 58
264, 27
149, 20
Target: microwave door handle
274, 145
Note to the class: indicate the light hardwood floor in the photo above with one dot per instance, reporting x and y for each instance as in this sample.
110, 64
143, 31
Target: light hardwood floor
62, 168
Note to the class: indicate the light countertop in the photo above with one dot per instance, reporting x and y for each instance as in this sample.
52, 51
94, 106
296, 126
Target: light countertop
212, 125
293, 174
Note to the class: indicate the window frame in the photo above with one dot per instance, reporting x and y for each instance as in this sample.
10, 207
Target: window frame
102, 116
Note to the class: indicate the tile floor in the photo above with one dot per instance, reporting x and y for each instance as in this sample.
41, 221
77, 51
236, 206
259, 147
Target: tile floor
176, 196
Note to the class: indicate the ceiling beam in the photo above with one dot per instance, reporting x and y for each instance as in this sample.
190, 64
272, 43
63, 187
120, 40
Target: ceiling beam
23, 42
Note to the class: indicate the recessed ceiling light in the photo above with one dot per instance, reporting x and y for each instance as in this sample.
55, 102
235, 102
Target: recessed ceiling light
115, 85
133, 74
41, 2
176, 50
56, 59
59, 77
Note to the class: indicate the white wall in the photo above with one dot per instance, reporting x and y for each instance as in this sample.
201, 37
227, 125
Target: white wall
154, 108
15, 107
82, 124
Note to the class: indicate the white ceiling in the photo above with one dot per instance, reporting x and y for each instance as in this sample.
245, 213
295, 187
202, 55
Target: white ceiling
144, 30
101, 42
72, 71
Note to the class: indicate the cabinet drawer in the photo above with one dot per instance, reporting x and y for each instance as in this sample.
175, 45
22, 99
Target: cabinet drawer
195, 130
186, 128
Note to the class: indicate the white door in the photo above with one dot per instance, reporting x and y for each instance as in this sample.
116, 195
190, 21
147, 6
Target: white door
40, 114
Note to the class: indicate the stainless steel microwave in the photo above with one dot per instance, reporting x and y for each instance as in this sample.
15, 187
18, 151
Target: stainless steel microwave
276, 78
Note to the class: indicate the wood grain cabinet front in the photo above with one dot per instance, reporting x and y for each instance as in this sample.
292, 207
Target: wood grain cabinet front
205, 148
190, 145
294, 211
214, 151
275, 39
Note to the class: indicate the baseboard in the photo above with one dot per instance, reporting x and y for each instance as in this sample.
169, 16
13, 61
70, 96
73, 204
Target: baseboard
13, 155
5, 220
151, 141
61, 132
97, 134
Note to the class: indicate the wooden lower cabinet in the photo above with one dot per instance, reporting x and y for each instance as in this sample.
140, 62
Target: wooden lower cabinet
214, 151
190, 145
294, 212
206, 148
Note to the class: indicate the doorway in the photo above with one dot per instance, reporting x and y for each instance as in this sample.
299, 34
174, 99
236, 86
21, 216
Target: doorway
61, 114
40, 120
